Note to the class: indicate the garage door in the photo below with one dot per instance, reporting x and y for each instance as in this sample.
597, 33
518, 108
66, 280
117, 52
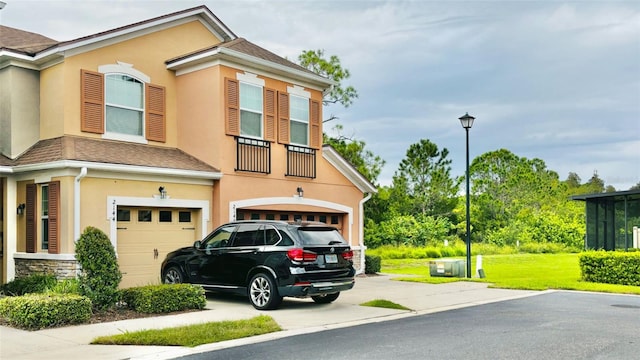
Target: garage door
146, 235
335, 220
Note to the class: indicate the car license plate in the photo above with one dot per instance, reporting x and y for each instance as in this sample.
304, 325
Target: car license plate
331, 258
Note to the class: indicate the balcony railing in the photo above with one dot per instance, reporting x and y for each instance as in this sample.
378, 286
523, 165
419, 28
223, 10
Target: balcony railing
253, 155
301, 161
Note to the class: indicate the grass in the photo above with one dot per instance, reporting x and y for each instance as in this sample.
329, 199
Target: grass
384, 304
194, 335
517, 271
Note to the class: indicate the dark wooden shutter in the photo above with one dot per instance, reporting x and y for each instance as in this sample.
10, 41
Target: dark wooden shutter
269, 114
283, 118
315, 127
232, 106
30, 213
92, 102
155, 107
54, 215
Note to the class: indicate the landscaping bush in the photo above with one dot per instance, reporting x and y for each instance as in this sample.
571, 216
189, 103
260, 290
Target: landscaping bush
155, 299
372, 264
38, 311
66, 286
611, 267
100, 275
35, 283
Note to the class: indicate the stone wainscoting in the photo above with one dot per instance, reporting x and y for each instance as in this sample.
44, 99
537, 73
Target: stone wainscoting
62, 269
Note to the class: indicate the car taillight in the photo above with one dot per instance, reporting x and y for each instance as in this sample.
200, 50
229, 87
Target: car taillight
348, 255
300, 255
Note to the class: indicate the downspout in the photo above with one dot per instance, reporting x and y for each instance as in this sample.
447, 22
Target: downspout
361, 232
76, 203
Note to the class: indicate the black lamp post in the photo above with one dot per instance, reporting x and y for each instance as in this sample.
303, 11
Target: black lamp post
467, 122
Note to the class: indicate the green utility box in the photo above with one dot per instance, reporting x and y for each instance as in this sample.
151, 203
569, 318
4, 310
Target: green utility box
447, 268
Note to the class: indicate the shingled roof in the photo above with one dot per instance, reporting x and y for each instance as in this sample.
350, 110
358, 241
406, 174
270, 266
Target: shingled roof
24, 41
110, 152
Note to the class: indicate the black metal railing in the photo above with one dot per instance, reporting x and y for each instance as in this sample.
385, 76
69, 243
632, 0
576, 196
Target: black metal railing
301, 161
253, 155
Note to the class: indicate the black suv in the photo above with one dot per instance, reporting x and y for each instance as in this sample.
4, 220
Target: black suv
266, 260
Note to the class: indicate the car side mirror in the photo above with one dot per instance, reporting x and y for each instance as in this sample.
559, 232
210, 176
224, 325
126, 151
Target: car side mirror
197, 244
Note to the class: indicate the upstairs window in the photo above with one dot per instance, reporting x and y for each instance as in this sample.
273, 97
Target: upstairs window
299, 113
120, 103
251, 105
124, 97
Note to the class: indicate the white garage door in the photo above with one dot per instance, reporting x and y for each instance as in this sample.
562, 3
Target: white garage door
146, 235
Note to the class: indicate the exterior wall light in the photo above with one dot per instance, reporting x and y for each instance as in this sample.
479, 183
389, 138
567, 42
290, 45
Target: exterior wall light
20, 209
300, 191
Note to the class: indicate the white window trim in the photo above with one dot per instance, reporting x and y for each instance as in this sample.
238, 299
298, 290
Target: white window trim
126, 69
253, 80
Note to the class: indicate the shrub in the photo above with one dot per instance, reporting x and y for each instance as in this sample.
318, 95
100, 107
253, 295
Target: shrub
35, 283
372, 264
66, 286
100, 275
155, 299
37, 311
611, 267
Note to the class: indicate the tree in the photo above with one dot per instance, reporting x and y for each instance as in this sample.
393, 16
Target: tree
423, 181
331, 68
507, 187
355, 152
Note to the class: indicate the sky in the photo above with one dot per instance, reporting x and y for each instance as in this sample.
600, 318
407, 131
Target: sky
553, 80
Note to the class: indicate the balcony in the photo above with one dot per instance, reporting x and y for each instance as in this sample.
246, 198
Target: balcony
253, 155
301, 161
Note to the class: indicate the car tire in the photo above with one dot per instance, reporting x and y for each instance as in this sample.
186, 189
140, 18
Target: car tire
173, 275
263, 292
326, 298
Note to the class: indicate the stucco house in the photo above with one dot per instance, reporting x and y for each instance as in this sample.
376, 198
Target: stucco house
156, 133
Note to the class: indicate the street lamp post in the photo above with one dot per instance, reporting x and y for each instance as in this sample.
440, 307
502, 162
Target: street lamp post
467, 122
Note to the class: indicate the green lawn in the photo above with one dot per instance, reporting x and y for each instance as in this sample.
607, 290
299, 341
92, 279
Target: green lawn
519, 271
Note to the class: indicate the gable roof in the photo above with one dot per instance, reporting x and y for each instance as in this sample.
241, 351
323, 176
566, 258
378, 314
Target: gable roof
244, 52
72, 151
40, 52
23, 41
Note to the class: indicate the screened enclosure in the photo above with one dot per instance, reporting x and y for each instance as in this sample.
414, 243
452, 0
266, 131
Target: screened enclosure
611, 218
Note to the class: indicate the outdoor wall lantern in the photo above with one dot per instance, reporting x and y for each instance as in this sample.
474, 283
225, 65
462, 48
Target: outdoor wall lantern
163, 192
20, 209
300, 191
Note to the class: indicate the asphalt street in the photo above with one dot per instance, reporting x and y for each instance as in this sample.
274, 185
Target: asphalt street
556, 325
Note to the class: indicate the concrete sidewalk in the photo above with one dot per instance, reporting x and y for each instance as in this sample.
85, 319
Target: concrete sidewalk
295, 316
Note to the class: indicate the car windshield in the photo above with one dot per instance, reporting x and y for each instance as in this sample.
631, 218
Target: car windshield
320, 236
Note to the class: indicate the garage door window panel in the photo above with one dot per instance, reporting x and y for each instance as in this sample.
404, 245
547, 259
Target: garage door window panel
184, 216
164, 216
144, 216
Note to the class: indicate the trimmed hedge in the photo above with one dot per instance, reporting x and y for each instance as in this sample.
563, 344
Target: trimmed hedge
372, 264
38, 311
611, 267
35, 283
155, 299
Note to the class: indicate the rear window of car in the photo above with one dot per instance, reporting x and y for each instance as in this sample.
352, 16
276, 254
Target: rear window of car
320, 236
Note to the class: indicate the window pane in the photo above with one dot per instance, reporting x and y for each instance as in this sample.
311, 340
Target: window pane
255, 216
299, 108
250, 97
250, 123
124, 121
184, 216
124, 91
45, 234
299, 133
334, 219
323, 219
284, 217
144, 215
165, 216
270, 217
240, 216
124, 215
311, 218
45, 200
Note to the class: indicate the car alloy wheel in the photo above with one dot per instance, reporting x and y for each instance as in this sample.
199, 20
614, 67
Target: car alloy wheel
173, 276
263, 293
